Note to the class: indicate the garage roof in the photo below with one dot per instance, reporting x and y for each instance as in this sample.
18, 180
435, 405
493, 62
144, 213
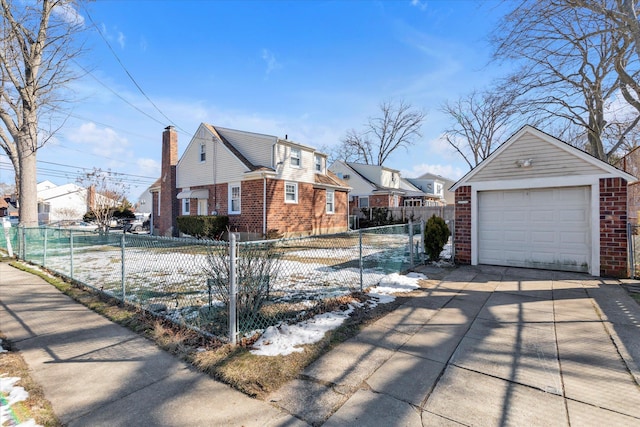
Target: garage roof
531, 153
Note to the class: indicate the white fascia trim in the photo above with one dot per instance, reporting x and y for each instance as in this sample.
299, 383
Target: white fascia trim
547, 182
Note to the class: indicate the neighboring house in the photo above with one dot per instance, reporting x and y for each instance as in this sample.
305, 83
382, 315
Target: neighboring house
263, 183
67, 202
538, 202
372, 185
630, 163
61, 202
9, 207
436, 188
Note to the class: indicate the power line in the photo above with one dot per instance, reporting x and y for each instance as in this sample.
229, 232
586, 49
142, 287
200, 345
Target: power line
127, 71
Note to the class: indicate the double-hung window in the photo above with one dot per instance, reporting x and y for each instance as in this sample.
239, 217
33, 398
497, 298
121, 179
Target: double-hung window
363, 202
296, 160
203, 153
330, 202
318, 163
186, 206
291, 192
234, 198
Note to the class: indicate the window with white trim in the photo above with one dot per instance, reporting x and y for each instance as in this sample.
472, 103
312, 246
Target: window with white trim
363, 202
318, 162
330, 202
186, 206
203, 152
296, 157
234, 198
291, 192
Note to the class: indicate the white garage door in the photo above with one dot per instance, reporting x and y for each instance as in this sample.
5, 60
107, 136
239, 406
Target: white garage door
539, 228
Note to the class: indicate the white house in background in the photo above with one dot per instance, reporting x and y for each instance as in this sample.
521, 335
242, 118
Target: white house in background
61, 202
436, 187
372, 185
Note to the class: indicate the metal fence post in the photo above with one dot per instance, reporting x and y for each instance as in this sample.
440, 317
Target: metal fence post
361, 264
44, 248
232, 289
422, 225
630, 245
124, 288
23, 242
410, 243
71, 252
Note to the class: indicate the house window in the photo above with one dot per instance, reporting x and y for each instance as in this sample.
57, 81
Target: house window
186, 206
202, 206
295, 157
291, 192
234, 198
318, 162
330, 204
363, 202
203, 152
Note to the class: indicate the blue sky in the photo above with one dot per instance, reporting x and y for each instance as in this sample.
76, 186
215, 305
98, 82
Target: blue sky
307, 69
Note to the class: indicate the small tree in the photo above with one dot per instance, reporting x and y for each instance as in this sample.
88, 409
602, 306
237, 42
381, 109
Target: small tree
106, 194
436, 235
257, 267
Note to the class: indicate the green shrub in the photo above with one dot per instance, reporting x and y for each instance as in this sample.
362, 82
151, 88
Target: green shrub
203, 226
436, 235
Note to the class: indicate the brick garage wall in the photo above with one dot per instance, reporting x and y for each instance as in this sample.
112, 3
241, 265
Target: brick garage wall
462, 236
613, 227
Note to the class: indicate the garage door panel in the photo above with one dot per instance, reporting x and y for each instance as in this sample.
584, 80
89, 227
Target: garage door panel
543, 228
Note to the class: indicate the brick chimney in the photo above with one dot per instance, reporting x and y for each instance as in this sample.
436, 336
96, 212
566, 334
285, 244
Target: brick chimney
169, 205
91, 198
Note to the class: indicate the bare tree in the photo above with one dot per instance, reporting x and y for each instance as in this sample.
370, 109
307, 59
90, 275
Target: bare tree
397, 127
106, 194
568, 71
622, 19
36, 48
480, 122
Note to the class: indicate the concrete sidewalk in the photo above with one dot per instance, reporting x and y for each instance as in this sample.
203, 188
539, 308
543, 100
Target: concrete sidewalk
486, 346
97, 373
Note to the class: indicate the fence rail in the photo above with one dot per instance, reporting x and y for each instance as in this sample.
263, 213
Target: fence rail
190, 281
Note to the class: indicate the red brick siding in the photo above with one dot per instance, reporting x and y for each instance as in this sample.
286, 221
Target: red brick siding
308, 216
169, 203
462, 236
613, 227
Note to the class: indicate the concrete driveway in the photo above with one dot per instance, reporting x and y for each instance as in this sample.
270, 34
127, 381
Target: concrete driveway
485, 346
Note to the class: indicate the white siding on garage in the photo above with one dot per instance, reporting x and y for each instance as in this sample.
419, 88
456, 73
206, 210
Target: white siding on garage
539, 228
548, 159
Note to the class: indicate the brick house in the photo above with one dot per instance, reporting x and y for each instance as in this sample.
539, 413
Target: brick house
538, 202
376, 186
263, 183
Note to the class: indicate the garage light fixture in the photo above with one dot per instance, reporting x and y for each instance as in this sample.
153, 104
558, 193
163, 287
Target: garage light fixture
524, 163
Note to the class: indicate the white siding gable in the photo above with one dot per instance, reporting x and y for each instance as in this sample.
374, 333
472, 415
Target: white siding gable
359, 185
220, 165
305, 172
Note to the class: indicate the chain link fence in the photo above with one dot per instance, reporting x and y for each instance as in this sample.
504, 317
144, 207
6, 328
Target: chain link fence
633, 243
189, 281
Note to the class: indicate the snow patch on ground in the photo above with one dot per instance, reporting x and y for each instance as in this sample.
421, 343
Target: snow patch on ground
10, 394
286, 339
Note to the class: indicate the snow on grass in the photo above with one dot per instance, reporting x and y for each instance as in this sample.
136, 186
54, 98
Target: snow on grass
286, 339
10, 394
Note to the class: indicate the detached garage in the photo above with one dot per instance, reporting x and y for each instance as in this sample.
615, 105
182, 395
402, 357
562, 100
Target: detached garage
538, 202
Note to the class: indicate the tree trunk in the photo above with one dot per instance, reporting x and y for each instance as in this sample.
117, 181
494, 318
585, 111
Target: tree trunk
27, 191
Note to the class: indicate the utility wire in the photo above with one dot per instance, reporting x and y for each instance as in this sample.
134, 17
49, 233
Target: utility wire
127, 71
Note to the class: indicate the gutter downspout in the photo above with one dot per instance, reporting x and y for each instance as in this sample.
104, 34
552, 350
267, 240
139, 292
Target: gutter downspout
264, 206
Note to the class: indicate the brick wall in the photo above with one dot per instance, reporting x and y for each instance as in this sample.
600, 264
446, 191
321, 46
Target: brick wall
462, 230
613, 227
